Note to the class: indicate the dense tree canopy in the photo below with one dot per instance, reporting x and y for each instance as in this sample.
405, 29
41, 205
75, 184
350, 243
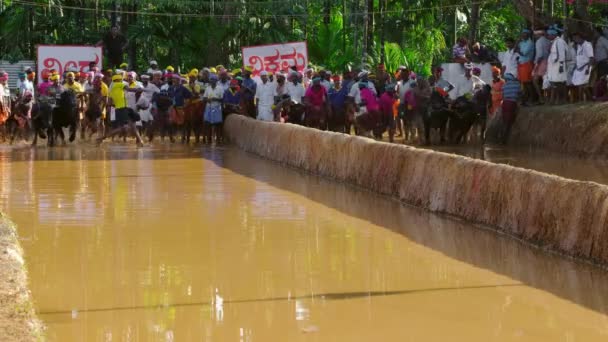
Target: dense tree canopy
188, 33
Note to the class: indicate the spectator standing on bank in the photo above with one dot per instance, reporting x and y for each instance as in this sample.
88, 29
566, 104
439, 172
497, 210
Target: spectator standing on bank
542, 47
601, 53
525, 64
114, 44
582, 72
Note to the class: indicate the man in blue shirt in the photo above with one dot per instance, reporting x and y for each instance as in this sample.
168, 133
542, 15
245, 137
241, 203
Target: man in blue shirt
248, 89
337, 99
525, 65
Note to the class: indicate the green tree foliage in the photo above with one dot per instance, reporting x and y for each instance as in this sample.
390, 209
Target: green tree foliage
187, 33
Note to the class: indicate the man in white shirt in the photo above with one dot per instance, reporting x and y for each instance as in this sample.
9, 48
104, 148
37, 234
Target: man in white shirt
556, 67
264, 96
601, 53
294, 88
510, 58
224, 80
25, 85
584, 61
153, 68
148, 91
465, 84
354, 89
404, 83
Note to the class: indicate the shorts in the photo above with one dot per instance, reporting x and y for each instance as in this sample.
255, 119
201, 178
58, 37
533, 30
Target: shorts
121, 117
524, 71
540, 69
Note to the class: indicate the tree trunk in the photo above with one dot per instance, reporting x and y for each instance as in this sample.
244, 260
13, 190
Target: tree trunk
532, 14
382, 22
327, 12
474, 22
113, 17
96, 16
132, 48
344, 25
370, 26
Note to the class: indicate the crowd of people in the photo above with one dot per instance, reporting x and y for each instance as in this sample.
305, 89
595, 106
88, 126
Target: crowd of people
551, 66
117, 101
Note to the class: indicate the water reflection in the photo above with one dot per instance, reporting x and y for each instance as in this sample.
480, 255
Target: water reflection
216, 245
564, 165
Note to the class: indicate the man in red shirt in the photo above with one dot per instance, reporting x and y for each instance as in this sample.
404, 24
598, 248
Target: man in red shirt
317, 105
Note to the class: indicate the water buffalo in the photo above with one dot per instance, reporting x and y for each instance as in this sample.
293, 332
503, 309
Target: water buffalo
435, 116
467, 113
65, 114
42, 115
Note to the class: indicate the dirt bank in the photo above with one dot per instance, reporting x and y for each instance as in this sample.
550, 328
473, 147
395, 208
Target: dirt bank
580, 129
17, 316
555, 213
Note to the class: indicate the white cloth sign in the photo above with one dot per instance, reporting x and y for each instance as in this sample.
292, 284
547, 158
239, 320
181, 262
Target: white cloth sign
65, 57
276, 57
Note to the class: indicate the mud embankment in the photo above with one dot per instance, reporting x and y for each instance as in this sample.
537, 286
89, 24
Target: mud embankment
18, 320
555, 213
580, 129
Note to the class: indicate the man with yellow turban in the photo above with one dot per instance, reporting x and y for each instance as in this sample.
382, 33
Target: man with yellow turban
125, 117
194, 107
71, 84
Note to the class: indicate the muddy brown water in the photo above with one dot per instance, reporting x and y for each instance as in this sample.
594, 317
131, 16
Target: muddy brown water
170, 243
567, 166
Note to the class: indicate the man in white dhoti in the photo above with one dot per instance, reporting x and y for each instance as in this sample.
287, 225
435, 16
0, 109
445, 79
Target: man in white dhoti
556, 67
148, 91
264, 97
582, 72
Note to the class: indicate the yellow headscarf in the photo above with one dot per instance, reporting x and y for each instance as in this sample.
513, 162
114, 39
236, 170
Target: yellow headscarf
170, 68
54, 77
117, 78
69, 74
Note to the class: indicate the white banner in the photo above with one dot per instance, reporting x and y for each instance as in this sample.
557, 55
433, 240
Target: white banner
276, 57
453, 72
64, 57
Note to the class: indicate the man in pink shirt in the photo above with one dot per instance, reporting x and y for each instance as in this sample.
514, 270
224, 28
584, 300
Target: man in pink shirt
387, 103
317, 105
369, 109
42, 87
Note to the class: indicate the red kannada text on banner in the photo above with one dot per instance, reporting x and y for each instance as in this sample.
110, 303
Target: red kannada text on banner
276, 57
65, 57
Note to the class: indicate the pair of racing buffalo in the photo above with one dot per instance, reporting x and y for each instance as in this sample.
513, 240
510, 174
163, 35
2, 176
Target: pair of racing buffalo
48, 118
432, 112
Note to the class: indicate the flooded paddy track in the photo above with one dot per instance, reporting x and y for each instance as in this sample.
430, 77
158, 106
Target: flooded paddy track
560, 164
176, 243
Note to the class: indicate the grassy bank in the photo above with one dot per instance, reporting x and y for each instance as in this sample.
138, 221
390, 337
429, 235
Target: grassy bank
18, 320
580, 129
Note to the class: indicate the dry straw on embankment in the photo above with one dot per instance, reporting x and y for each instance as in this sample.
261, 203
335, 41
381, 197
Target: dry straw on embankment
579, 129
17, 317
558, 214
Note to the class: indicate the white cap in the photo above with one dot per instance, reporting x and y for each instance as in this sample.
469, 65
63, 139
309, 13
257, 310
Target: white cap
153, 62
363, 73
264, 73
